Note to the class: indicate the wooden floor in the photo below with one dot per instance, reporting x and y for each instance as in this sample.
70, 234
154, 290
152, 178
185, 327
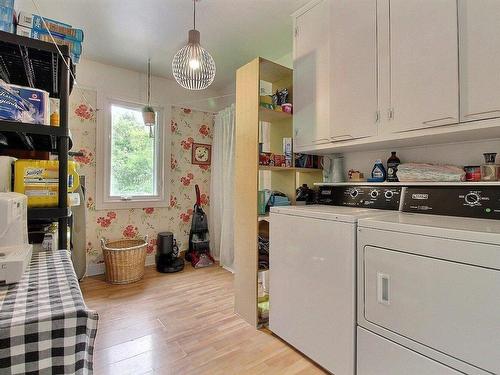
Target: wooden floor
182, 324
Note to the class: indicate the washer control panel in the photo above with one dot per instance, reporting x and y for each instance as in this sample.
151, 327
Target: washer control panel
475, 201
385, 198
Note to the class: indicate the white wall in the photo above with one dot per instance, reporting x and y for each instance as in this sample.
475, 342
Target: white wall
461, 154
112, 81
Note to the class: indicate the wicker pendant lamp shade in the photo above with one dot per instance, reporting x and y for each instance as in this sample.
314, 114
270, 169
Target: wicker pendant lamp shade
192, 66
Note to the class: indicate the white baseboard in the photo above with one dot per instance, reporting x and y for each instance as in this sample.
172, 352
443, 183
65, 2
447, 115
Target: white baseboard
228, 269
94, 269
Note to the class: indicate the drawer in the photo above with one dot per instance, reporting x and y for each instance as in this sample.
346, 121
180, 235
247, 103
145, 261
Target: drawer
451, 307
379, 356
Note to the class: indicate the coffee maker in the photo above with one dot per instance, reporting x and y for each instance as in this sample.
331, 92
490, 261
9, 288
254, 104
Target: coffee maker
15, 251
167, 254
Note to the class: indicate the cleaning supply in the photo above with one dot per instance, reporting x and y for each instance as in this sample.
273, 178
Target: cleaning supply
39, 180
392, 167
378, 172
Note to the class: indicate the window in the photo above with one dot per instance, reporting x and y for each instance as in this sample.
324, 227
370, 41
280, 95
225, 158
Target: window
132, 162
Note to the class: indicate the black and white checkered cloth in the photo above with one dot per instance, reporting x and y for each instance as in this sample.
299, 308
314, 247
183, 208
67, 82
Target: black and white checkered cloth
45, 326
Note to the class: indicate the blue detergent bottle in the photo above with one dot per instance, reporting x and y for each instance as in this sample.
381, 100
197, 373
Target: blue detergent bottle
379, 173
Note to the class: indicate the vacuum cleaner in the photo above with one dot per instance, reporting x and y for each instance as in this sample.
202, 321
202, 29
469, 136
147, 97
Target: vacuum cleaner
167, 260
199, 244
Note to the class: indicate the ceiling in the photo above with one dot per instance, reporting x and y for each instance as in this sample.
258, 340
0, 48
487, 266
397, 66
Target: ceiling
126, 32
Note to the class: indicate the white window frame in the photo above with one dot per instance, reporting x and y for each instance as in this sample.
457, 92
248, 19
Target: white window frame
104, 201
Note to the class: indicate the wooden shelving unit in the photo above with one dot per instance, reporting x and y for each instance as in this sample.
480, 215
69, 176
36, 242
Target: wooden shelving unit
270, 115
34, 63
250, 177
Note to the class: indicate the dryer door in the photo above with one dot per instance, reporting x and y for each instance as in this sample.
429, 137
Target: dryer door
451, 307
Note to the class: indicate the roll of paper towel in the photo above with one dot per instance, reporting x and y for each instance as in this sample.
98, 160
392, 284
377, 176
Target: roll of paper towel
6, 173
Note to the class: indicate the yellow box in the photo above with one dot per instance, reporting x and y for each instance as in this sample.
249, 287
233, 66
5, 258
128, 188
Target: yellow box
39, 181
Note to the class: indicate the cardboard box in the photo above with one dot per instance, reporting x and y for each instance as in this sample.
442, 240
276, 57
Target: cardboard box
7, 3
6, 14
34, 21
74, 46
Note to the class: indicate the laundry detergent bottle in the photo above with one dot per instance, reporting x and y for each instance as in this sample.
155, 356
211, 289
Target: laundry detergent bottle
378, 172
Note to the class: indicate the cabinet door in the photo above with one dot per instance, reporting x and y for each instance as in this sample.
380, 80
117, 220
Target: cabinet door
353, 69
423, 64
310, 77
312, 261
479, 38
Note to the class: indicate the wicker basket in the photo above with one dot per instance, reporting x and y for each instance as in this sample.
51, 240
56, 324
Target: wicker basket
124, 260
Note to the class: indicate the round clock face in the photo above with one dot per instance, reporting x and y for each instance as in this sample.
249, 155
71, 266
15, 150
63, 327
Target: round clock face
201, 154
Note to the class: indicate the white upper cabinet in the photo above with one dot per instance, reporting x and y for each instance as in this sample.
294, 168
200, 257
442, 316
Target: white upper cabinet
479, 47
423, 57
353, 69
372, 71
311, 76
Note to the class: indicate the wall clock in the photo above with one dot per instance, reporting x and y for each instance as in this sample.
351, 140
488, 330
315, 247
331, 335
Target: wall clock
201, 154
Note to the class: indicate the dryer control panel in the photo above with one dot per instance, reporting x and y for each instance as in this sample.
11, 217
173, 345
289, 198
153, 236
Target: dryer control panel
475, 201
380, 197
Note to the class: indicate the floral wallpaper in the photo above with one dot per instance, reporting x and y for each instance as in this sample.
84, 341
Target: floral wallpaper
186, 126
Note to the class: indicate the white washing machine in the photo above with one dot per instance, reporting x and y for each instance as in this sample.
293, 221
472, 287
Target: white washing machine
429, 286
312, 273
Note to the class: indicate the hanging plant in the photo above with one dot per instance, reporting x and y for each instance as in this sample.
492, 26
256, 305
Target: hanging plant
149, 116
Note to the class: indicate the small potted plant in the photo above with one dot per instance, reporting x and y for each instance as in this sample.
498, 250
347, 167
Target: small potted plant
149, 115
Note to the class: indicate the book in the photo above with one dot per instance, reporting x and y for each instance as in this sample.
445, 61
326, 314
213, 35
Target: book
75, 47
7, 26
6, 14
7, 3
34, 21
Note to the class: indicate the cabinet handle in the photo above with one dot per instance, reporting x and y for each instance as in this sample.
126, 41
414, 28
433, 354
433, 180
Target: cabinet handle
320, 140
440, 119
341, 138
383, 281
483, 113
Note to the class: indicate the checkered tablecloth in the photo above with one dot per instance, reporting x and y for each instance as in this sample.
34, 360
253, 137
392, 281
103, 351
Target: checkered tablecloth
45, 327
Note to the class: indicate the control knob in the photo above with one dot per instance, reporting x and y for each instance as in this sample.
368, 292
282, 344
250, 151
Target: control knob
389, 194
472, 198
374, 193
354, 193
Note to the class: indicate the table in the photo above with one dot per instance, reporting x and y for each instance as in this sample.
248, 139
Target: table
45, 326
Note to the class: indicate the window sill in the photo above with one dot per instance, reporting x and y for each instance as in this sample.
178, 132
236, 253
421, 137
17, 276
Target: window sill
125, 205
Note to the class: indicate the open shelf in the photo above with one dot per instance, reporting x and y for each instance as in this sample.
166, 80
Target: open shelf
45, 66
31, 62
48, 213
263, 217
287, 169
270, 115
21, 127
272, 72
23, 136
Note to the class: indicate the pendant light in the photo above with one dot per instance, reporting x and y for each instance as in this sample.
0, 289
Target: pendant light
193, 67
148, 112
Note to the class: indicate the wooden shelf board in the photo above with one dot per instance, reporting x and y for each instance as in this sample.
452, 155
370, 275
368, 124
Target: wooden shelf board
272, 72
288, 169
270, 115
